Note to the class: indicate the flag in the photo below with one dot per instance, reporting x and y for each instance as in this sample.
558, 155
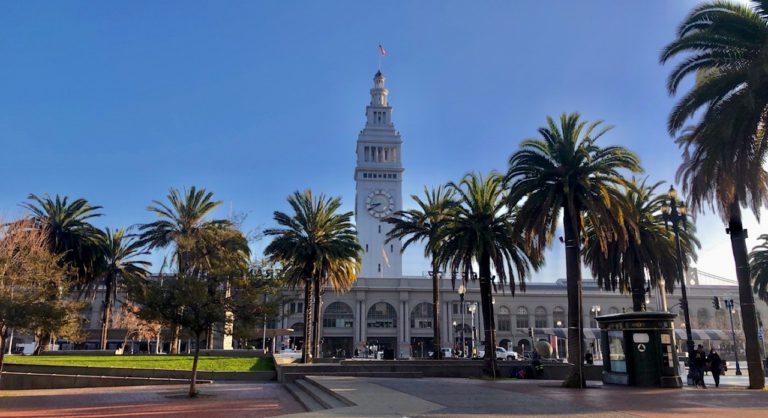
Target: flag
385, 256
382, 51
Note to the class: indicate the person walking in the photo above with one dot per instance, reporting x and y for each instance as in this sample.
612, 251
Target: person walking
699, 363
715, 366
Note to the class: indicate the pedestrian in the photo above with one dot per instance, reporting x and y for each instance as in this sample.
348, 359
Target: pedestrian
699, 362
715, 366
589, 359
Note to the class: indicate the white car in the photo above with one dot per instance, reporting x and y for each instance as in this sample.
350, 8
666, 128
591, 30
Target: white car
501, 354
290, 353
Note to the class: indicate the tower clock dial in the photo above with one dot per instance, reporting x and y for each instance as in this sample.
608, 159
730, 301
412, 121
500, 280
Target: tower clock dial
380, 204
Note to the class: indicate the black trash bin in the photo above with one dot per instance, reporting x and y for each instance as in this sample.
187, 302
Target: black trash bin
389, 354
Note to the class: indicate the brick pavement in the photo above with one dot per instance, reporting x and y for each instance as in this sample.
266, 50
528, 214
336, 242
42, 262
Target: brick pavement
217, 400
473, 397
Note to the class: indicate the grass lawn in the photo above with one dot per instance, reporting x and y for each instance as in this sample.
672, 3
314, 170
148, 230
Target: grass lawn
210, 363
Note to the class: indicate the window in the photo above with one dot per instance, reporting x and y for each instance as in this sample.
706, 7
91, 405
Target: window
421, 315
367, 153
381, 315
540, 317
702, 318
616, 350
504, 319
391, 248
295, 307
522, 317
379, 229
558, 317
338, 315
366, 247
379, 267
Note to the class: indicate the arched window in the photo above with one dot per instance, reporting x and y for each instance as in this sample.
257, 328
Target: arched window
382, 315
702, 318
338, 315
422, 315
298, 328
540, 317
522, 317
504, 319
558, 317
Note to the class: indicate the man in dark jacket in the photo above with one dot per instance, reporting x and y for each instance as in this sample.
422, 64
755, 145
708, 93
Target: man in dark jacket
715, 365
698, 363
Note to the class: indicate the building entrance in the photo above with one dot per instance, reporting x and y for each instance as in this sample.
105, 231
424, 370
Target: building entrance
422, 346
337, 347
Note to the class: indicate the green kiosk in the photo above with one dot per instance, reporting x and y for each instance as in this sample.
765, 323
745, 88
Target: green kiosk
639, 349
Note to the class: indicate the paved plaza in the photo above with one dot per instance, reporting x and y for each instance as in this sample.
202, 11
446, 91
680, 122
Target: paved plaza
217, 400
469, 397
393, 397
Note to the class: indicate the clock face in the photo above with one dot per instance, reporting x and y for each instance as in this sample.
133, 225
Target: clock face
380, 204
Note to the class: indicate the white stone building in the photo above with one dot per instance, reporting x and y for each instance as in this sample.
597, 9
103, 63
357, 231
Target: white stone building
385, 309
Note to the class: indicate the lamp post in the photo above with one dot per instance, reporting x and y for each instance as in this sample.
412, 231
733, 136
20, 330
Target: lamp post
729, 306
462, 290
674, 212
596, 311
454, 335
472, 310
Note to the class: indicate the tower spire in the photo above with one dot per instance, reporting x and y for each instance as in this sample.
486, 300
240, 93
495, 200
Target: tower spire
379, 93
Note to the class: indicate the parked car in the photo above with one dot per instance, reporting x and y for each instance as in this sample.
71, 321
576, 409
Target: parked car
288, 352
447, 352
501, 353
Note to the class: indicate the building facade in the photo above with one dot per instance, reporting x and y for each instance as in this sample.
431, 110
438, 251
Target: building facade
386, 310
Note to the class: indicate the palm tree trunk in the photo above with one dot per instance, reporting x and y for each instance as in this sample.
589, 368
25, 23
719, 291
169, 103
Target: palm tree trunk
106, 314
573, 283
209, 337
746, 298
316, 348
193, 382
638, 291
175, 336
306, 351
486, 298
438, 353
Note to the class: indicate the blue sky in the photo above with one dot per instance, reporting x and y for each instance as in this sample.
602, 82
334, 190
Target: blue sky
118, 102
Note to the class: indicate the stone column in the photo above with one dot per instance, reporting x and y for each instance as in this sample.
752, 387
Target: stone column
406, 350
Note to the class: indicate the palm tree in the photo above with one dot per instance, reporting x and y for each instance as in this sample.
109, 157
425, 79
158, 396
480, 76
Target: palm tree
425, 224
565, 171
316, 246
481, 232
650, 247
182, 219
758, 266
119, 252
71, 235
724, 45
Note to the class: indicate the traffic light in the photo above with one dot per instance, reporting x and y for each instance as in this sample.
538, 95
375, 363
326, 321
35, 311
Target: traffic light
716, 302
530, 332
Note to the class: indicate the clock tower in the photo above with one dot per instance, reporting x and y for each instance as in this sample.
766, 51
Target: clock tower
378, 178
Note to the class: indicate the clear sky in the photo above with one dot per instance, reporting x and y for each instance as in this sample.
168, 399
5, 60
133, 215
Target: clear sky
119, 101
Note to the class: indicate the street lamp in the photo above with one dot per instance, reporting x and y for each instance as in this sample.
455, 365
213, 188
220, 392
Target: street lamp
674, 212
729, 306
595, 311
472, 310
462, 290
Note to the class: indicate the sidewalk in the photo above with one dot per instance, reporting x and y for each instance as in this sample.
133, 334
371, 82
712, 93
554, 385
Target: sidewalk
380, 397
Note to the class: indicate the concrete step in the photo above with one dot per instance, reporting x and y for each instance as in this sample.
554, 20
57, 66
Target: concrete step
292, 377
298, 393
320, 395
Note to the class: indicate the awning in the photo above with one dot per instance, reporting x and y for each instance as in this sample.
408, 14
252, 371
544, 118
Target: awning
703, 334
558, 332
